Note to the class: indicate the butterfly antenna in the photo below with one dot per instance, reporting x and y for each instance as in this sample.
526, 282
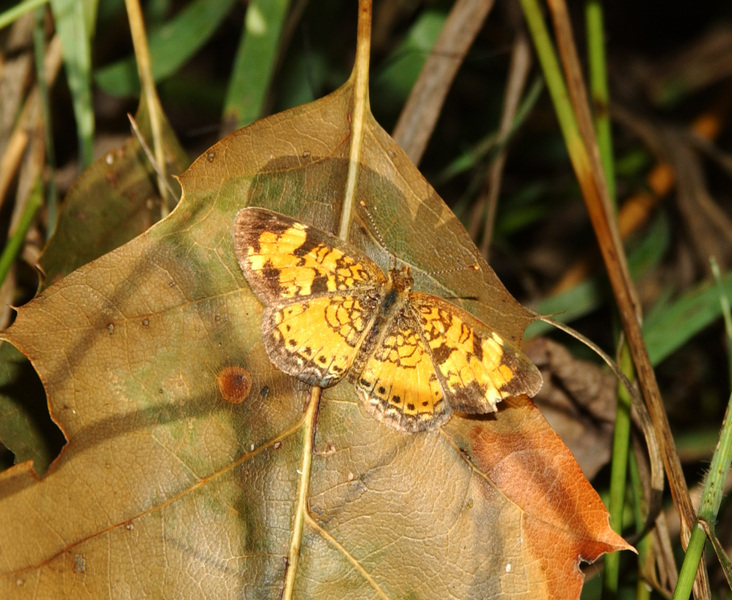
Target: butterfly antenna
473, 267
372, 222
377, 235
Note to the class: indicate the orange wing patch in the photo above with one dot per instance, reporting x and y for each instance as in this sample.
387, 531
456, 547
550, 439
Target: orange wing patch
330, 310
316, 341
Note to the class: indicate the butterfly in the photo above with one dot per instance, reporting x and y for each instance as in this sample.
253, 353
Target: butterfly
331, 312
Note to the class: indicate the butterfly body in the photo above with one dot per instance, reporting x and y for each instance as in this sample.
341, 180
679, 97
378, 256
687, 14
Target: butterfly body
331, 311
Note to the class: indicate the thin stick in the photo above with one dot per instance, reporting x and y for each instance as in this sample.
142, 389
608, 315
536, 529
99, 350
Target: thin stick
301, 505
360, 77
147, 85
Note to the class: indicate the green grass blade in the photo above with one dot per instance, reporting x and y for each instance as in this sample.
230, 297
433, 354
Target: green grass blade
554, 78
72, 27
15, 241
255, 61
709, 507
13, 14
39, 47
715, 479
667, 328
646, 558
725, 308
599, 94
621, 434
170, 47
618, 474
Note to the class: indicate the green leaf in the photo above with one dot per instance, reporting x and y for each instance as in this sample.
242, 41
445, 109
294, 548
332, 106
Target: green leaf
170, 47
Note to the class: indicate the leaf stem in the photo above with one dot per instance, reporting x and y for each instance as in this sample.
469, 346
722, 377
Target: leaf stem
360, 78
293, 554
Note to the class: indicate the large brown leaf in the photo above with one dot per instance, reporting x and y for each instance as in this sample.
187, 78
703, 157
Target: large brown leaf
181, 481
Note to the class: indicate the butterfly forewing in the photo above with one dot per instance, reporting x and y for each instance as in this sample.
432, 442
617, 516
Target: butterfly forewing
284, 259
477, 366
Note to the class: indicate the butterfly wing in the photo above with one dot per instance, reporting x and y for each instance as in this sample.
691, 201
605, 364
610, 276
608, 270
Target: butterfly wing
397, 382
476, 366
320, 293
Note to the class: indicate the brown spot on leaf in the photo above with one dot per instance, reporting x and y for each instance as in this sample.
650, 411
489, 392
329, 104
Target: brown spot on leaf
235, 383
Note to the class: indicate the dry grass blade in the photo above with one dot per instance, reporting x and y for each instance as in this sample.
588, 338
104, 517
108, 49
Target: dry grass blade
15, 73
589, 171
144, 66
708, 226
488, 197
29, 115
417, 121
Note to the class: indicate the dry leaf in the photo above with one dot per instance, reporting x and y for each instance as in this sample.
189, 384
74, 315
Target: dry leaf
579, 400
180, 478
113, 201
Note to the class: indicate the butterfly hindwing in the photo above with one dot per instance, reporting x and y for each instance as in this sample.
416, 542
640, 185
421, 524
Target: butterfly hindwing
316, 340
397, 382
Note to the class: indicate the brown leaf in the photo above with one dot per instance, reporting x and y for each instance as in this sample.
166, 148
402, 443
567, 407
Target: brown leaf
180, 477
113, 201
578, 400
